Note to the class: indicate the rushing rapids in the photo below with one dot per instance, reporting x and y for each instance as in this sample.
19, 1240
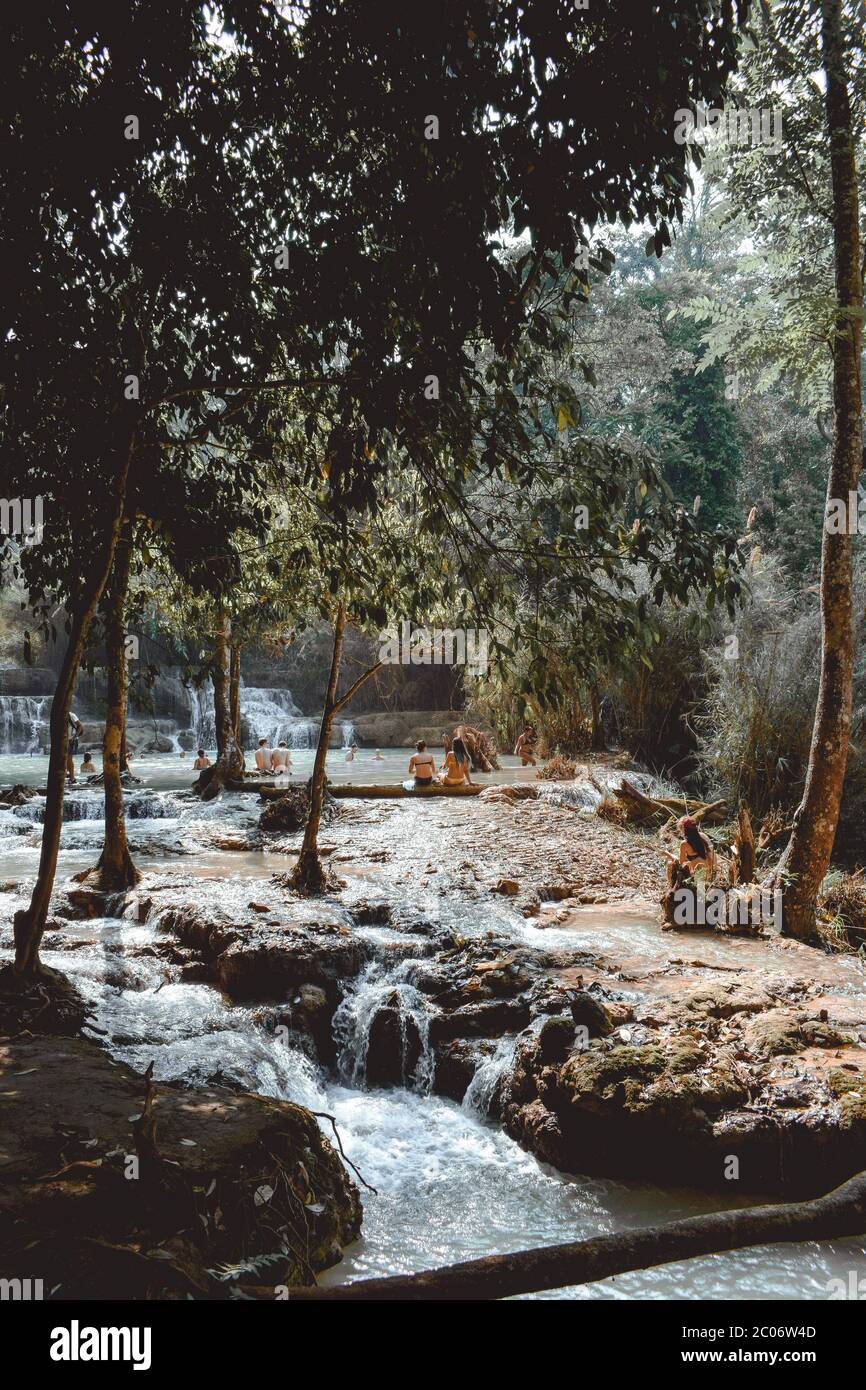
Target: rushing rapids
363, 1040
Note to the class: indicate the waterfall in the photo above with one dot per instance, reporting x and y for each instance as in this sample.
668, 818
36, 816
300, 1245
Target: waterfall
348, 733
382, 1031
483, 1088
90, 805
22, 718
273, 714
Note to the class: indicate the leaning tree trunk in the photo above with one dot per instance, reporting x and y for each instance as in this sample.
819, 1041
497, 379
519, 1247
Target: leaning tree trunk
29, 924
807, 856
115, 869
309, 875
235, 690
229, 765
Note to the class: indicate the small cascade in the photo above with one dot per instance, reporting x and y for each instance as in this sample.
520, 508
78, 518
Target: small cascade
583, 795
483, 1089
22, 719
90, 805
348, 733
382, 1032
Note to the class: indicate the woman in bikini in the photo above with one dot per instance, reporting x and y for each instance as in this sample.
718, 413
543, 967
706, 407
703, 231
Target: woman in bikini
696, 855
455, 771
421, 765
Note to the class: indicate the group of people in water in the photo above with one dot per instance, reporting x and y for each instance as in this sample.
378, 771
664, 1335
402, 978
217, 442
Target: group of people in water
695, 859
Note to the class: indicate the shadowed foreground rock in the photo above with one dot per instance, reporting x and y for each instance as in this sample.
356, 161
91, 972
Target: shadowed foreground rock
99, 1205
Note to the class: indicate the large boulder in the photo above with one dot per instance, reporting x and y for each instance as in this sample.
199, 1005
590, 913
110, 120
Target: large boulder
224, 1180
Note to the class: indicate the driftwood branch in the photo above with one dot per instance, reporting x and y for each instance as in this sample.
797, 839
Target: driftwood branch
355, 686
323, 1115
841, 1212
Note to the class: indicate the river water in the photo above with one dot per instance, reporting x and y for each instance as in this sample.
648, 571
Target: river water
450, 1185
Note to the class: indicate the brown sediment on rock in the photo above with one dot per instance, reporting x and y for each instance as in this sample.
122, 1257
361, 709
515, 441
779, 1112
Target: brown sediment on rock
91, 1209
763, 1065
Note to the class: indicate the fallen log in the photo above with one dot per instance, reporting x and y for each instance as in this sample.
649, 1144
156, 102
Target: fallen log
841, 1212
637, 806
395, 789
273, 791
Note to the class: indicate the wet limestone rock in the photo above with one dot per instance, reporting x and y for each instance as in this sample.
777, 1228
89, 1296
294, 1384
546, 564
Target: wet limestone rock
394, 1044
232, 1179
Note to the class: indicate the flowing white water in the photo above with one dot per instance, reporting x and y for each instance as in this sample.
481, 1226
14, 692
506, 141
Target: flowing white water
449, 1185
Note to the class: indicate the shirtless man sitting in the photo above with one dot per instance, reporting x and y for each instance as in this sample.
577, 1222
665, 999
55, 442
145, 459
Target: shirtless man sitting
201, 761
264, 756
281, 760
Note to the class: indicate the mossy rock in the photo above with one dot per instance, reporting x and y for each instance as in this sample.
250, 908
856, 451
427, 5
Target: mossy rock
849, 1089
598, 1072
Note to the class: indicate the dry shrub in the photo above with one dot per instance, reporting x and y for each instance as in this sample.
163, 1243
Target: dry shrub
612, 810
558, 768
844, 903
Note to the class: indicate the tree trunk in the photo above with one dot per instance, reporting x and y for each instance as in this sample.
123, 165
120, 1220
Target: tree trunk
807, 856
115, 869
235, 690
309, 874
840, 1213
29, 924
230, 760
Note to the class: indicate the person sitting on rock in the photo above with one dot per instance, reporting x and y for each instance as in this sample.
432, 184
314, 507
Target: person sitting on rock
696, 855
281, 759
455, 770
201, 761
264, 756
524, 748
421, 765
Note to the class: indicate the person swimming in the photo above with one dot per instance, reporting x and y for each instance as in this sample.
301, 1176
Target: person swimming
421, 765
378, 756
455, 770
350, 756
88, 767
201, 761
696, 854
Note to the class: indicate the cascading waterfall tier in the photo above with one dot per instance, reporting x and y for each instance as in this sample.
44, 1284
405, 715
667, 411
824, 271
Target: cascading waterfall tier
382, 1032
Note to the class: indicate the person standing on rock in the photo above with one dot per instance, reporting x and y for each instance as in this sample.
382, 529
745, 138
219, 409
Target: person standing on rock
76, 729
